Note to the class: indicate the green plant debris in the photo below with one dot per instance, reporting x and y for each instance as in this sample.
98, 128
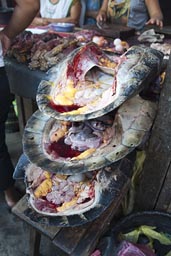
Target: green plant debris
168, 254
149, 232
131, 236
160, 236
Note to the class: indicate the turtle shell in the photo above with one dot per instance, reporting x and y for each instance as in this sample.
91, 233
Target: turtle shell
108, 186
89, 83
131, 123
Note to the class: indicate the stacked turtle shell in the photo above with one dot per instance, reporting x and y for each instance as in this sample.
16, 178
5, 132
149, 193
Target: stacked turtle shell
117, 82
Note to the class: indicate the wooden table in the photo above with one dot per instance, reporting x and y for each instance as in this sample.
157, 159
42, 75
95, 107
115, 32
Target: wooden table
23, 83
153, 192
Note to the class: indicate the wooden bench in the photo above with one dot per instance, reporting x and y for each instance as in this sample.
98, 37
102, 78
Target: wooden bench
75, 241
153, 192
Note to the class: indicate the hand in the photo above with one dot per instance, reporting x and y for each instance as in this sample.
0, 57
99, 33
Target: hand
155, 21
5, 41
101, 17
38, 21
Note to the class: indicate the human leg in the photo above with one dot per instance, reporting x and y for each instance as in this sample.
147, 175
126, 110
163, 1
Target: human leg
6, 166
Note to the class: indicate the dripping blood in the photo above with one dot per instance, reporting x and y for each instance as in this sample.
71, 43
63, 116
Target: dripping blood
60, 149
63, 109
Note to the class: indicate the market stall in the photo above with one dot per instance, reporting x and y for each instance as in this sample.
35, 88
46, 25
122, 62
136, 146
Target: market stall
26, 67
73, 240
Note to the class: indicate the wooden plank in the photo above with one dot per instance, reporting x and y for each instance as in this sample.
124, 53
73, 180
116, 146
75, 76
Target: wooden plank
68, 239
98, 228
35, 238
30, 107
19, 210
21, 115
164, 200
158, 153
26, 107
169, 208
82, 240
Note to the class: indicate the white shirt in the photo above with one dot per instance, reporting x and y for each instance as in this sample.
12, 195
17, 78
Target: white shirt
54, 11
1, 57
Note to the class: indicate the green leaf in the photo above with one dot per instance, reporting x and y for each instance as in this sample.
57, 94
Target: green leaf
132, 236
161, 237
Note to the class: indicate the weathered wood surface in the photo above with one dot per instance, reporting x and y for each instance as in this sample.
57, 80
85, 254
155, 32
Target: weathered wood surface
35, 238
82, 240
26, 107
164, 200
73, 240
19, 210
79, 240
156, 175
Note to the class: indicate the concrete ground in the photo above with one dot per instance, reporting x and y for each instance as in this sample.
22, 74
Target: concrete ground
14, 234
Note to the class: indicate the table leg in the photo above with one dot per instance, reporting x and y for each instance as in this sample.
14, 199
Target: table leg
35, 238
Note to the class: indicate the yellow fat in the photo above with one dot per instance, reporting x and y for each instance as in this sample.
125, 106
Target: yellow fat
43, 188
61, 176
61, 99
67, 205
78, 111
47, 174
67, 96
59, 133
70, 90
85, 154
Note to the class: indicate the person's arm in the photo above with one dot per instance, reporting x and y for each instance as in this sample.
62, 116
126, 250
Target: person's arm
92, 14
102, 15
23, 14
73, 17
155, 13
38, 21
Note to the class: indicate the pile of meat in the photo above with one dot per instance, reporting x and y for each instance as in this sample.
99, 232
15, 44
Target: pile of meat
71, 139
56, 193
42, 51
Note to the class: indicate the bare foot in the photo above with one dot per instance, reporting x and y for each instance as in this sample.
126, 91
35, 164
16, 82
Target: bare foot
11, 196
